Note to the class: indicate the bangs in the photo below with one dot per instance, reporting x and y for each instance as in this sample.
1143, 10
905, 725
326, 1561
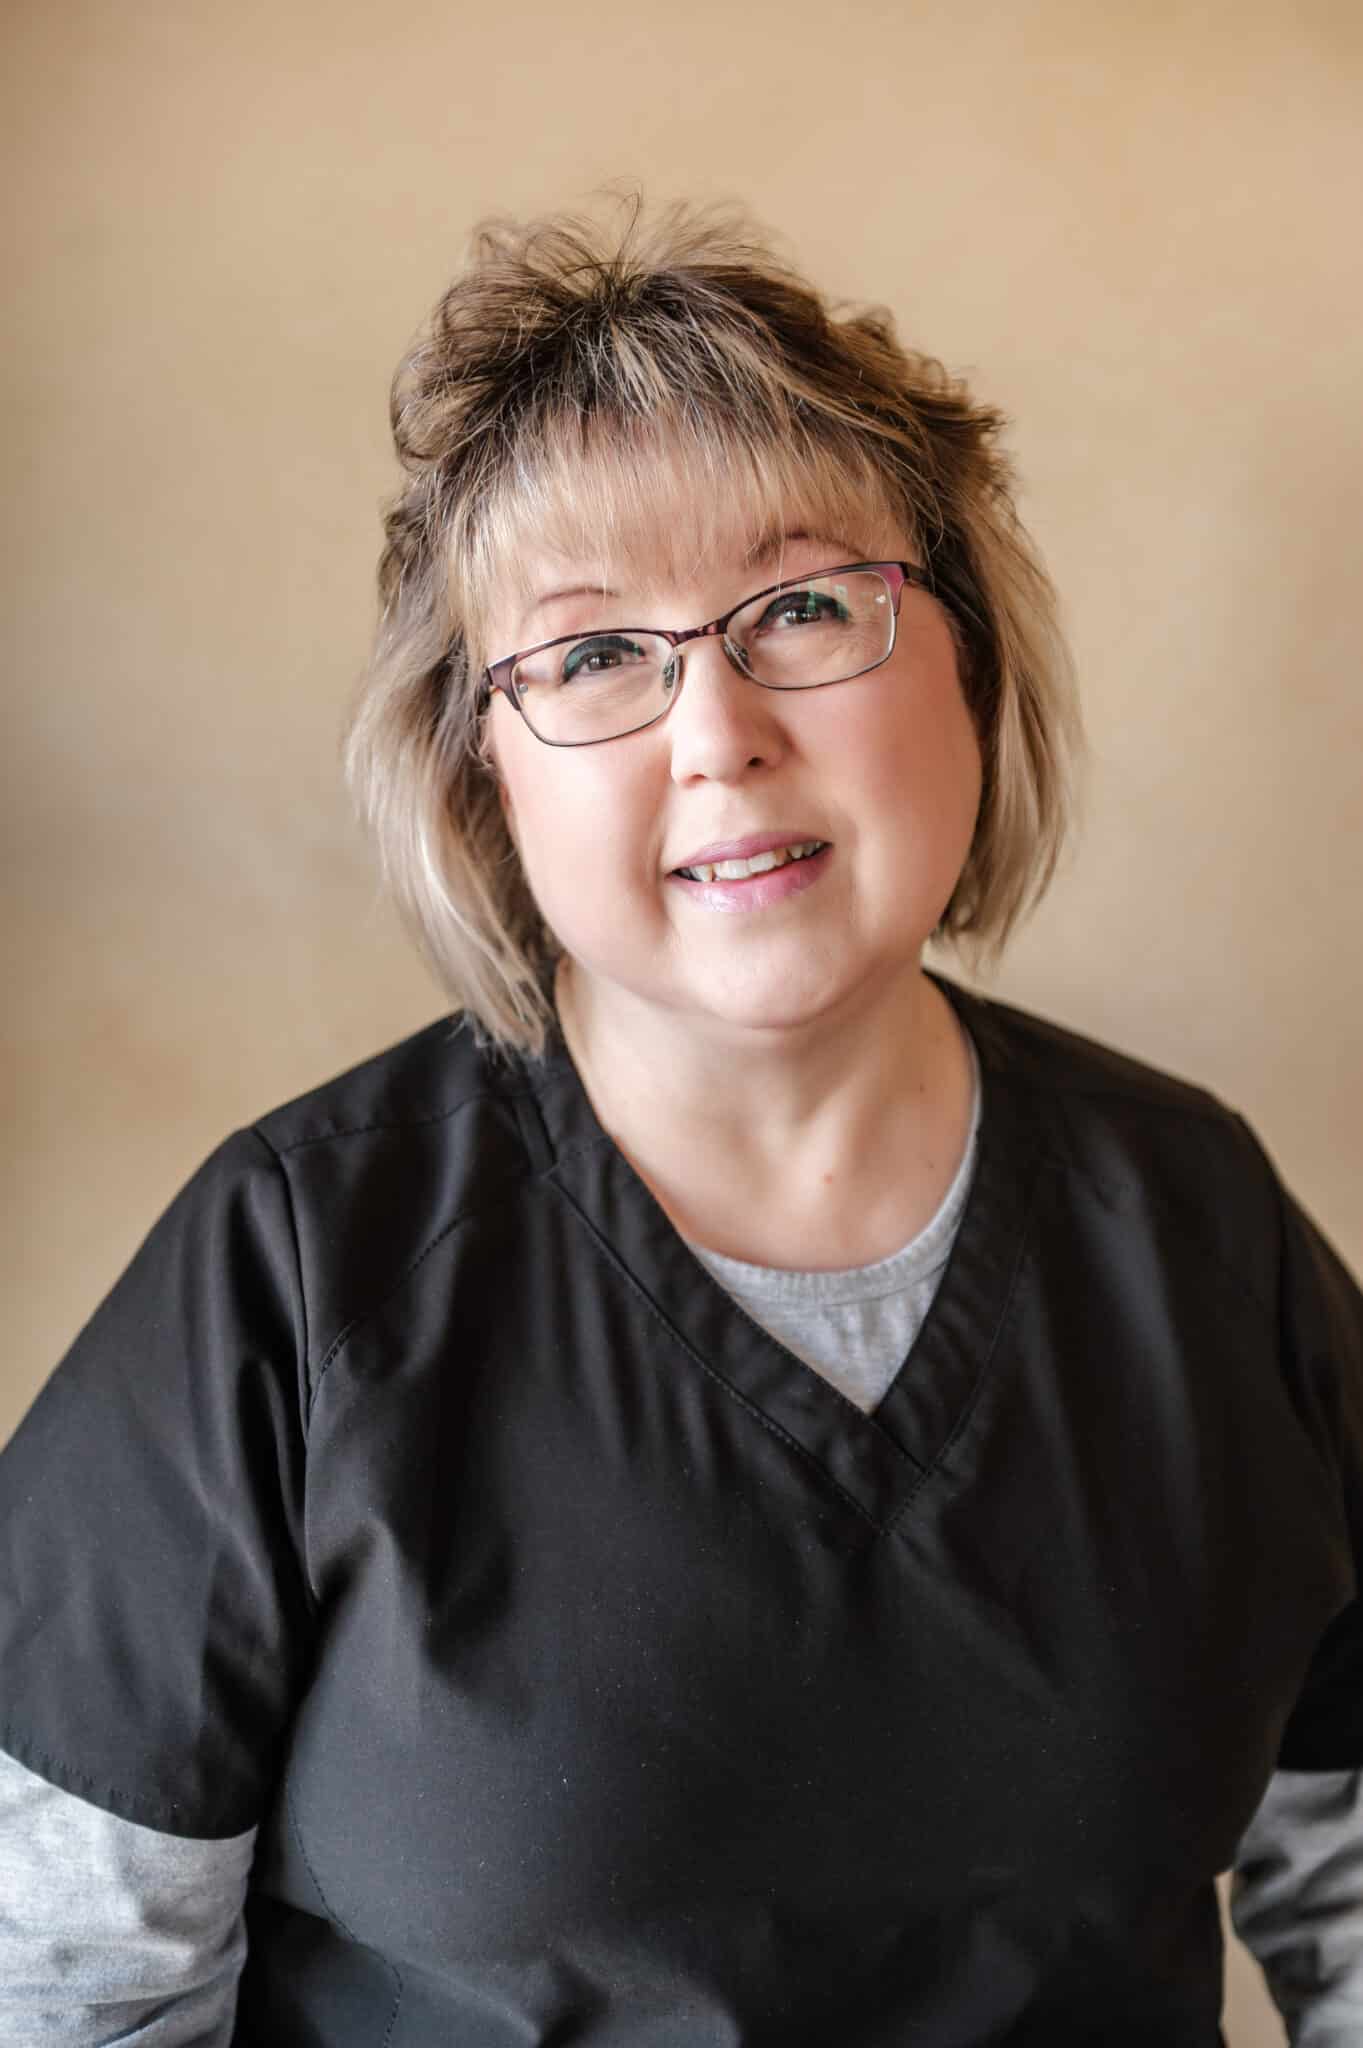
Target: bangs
651, 503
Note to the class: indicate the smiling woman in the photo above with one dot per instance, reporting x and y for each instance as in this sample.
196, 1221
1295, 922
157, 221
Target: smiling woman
734, 1491
675, 399
683, 980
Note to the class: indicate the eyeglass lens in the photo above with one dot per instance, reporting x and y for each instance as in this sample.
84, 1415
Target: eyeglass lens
825, 629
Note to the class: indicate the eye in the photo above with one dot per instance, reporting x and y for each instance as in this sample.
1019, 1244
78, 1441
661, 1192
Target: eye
602, 655
802, 608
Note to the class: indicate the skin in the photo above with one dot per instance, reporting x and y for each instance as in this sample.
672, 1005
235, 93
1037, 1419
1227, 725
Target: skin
787, 1082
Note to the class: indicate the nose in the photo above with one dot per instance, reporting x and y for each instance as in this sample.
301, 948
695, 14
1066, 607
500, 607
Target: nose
721, 724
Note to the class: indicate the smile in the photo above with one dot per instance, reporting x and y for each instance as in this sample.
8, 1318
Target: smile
757, 884
760, 863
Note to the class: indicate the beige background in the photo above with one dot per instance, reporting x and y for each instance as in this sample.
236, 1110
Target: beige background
1133, 225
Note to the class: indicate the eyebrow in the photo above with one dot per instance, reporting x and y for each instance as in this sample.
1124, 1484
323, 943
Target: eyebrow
545, 597
768, 548
772, 544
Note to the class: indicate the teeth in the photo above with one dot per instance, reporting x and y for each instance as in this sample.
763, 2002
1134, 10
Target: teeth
760, 864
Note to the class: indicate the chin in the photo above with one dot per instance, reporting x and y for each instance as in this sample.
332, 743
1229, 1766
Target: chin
783, 1003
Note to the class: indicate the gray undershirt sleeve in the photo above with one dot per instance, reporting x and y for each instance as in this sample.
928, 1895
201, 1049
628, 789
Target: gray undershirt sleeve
1297, 1903
110, 1932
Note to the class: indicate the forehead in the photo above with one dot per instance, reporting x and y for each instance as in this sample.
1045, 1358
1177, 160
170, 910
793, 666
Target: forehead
648, 520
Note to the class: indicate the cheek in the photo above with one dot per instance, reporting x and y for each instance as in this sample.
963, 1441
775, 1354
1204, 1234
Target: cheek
962, 759
583, 834
922, 759
947, 784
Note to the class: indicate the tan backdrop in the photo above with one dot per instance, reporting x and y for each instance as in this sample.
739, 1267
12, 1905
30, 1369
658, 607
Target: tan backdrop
1133, 225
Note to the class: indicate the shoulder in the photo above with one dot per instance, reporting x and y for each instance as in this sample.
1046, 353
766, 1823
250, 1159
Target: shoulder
1140, 1138
369, 1170
1064, 1064
436, 1078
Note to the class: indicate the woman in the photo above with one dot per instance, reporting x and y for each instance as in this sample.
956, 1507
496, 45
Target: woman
740, 1493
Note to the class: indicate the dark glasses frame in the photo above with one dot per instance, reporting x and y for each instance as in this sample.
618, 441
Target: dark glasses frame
498, 674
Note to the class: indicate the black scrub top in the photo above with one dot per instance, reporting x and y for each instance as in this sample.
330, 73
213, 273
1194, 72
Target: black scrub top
595, 1672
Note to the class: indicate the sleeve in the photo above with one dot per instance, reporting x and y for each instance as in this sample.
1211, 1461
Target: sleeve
155, 1616
1297, 1883
1320, 1311
1296, 1902
113, 1933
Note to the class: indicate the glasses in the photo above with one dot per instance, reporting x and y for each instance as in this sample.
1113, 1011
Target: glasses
584, 688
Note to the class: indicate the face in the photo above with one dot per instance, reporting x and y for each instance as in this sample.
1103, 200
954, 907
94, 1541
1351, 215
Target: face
884, 770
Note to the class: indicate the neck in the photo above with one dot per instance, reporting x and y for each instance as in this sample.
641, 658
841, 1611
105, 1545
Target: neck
822, 1145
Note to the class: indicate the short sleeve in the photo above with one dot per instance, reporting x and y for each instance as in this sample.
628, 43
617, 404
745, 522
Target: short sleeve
155, 1617
1320, 1313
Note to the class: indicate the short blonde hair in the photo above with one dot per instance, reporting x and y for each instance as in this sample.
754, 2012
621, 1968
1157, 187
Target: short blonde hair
630, 385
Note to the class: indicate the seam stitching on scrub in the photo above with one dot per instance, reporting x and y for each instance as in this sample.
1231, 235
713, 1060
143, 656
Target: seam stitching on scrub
16, 1745
772, 1427
1115, 1189
846, 1399
971, 1402
398, 1123
336, 1919
297, 1261
603, 1142
534, 1133
357, 1321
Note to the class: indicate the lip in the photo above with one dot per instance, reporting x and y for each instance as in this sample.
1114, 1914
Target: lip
758, 892
744, 849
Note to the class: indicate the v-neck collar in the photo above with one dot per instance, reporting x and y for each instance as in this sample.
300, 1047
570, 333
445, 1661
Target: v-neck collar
879, 1460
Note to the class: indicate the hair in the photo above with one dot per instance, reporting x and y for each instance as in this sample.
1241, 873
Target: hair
630, 386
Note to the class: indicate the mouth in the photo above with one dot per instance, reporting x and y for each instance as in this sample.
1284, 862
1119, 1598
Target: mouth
741, 870
757, 882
